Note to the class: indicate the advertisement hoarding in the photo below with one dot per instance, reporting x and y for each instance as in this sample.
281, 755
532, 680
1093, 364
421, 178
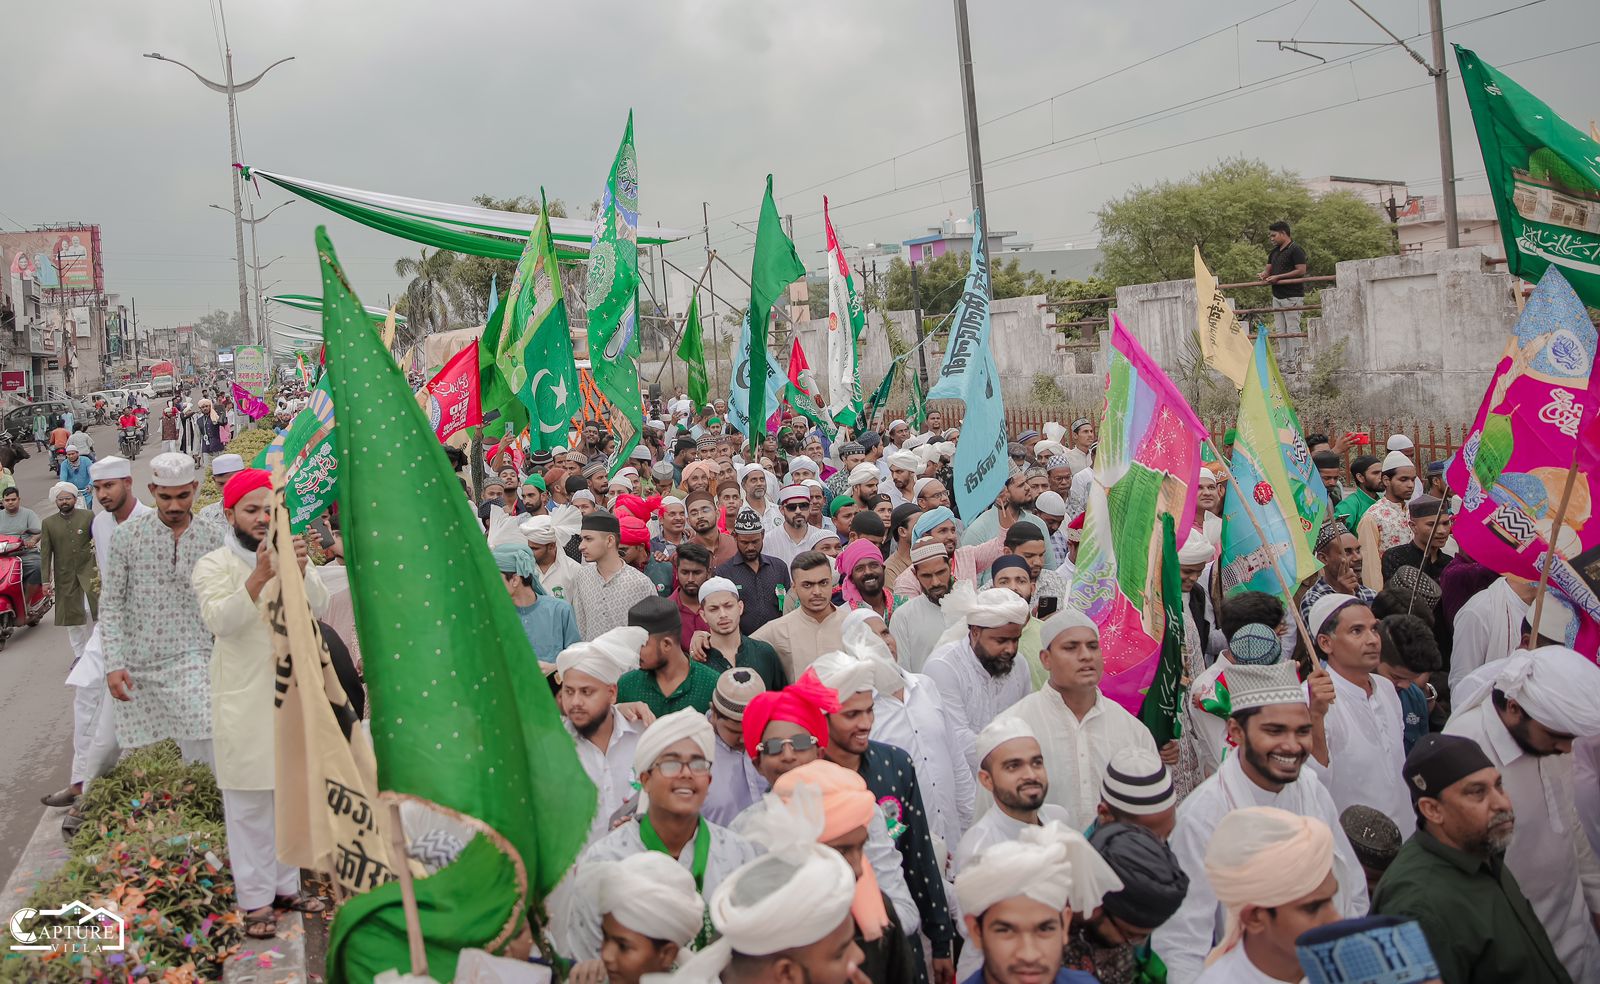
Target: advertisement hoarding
53, 258
250, 368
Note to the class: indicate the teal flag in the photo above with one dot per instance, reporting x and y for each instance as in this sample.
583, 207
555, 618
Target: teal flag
611, 296
535, 349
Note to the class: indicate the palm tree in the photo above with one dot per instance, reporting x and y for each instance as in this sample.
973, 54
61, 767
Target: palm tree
426, 303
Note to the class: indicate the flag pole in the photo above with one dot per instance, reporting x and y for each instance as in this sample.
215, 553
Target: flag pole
408, 891
677, 335
1555, 534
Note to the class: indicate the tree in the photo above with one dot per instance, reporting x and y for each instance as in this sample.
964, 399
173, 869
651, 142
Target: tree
1149, 235
223, 329
426, 301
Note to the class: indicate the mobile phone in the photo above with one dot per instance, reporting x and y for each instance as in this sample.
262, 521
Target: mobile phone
324, 534
1356, 438
1048, 606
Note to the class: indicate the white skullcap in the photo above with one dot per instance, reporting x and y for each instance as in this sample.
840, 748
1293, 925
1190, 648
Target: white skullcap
584, 495
863, 473
845, 673
812, 483
1555, 685
916, 441
1254, 685
668, 501
649, 893
898, 423
905, 461
226, 464
919, 485
746, 471
1395, 459
1323, 608
172, 469
1196, 549
1206, 476
668, 731
1052, 864
62, 488
1066, 618
794, 493
1398, 442
1050, 503
714, 584
802, 463
604, 663
110, 467
1261, 855
1006, 727
998, 606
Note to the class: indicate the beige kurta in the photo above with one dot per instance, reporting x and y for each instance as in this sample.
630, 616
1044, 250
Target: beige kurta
243, 671
800, 639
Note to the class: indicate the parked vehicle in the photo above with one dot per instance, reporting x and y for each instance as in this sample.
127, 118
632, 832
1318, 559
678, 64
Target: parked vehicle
19, 604
19, 420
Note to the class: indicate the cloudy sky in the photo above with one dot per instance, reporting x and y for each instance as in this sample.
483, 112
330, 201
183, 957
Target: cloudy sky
1082, 100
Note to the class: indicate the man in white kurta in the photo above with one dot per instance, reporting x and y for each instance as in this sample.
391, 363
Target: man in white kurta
1524, 712
909, 714
1488, 627
979, 675
228, 583
1077, 725
1271, 725
919, 620
604, 736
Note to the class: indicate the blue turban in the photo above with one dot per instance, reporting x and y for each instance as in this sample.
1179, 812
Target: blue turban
929, 520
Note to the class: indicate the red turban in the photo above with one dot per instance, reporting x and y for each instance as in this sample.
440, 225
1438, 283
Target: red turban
634, 532
638, 507
805, 702
244, 483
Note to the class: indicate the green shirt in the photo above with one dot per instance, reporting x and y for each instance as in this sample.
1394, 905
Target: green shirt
1479, 925
756, 655
1353, 506
695, 691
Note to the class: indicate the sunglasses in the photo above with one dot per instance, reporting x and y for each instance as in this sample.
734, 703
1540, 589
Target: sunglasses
675, 767
799, 743
796, 506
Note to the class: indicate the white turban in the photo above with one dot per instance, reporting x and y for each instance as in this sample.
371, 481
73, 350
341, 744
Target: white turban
1006, 727
1196, 549
649, 893
1555, 685
604, 663
862, 642
1261, 855
994, 607
844, 672
802, 463
621, 644
560, 526
1052, 864
1045, 450
947, 449
62, 488
906, 461
714, 584
929, 453
1053, 431
863, 473
667, 731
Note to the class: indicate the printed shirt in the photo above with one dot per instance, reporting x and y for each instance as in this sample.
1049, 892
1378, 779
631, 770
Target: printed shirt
1322, 587
890, 775
601, 604
695, 691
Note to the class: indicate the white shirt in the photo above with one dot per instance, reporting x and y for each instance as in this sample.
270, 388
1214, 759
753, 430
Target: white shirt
994, 827
1076, 752
735, 784
1549, 852
104, 524
557, 578
782, 548
1366, 750
917, 725
916, 624
1234, 967
1210, 731
972, 696
1488, 627
610, 770
1184, 940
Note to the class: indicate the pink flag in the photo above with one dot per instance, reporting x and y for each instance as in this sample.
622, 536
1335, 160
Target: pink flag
249, 404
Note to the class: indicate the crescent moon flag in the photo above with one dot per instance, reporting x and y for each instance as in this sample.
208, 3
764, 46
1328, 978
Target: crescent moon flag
452, 396
533, 349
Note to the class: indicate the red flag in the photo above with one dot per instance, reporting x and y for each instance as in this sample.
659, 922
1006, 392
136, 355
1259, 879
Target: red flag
453, 402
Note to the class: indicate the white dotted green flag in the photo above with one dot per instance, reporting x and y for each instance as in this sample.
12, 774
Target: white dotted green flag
611, 295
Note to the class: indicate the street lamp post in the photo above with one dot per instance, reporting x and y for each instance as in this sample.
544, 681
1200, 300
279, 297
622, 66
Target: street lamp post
255, 257
230, 89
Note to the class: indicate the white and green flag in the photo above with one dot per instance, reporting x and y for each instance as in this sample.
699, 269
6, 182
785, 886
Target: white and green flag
534, 350
846, 319
611, 296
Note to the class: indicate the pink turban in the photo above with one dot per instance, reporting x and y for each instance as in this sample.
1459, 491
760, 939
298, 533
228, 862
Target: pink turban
638, 507
849, 557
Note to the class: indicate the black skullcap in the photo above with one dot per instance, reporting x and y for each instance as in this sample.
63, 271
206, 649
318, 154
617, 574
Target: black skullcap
541, 459
1424, 505
747, 520
867, 523
902, 512
1005, 561
1153, 882
1330, 532
1424, 589
600, 521
576, 483
1439, 761
657, 616
1373, 836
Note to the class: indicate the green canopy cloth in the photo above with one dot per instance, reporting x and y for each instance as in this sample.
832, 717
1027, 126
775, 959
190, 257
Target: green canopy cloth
467, 229
306, 302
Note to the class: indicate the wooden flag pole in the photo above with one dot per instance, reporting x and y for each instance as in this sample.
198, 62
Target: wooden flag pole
408, 890
1555, 534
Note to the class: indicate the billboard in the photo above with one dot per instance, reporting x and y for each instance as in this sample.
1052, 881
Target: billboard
250, 368
54, 258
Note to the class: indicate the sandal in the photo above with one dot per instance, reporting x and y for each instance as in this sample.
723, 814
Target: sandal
304, 902
261, 925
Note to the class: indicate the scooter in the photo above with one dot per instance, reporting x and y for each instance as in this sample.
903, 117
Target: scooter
15, 609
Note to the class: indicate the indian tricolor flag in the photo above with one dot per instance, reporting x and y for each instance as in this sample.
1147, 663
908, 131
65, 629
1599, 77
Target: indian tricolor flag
846, 319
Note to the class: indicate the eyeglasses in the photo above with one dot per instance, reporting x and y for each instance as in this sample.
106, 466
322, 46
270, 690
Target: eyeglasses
674, 767
796, 506
799, 743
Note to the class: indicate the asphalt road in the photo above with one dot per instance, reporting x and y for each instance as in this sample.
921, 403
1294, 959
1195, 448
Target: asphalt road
35, 702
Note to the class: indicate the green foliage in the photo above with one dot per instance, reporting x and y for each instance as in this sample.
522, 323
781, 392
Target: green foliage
940, 282
224, 329
1045, 390
247, 443
1149, 235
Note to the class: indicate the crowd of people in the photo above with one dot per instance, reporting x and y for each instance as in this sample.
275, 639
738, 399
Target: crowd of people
839, 730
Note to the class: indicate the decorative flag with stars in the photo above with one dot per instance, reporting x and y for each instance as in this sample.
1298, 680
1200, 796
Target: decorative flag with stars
611, 295
535, 350
461, 716
1287, 502
1146, 467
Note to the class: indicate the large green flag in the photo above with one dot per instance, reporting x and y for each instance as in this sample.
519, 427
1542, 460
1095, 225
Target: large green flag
692, 351
611, 296
1544, 174
917, 412
461, 715
775, 267
880, 396
309, 457
496, 394
1163, 701
535, 349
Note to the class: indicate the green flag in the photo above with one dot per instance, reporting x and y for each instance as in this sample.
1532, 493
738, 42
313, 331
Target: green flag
775, 267
1544, 174
611, 296
535, 350
917, 412
496, 394
1162, 701
692, 351
461, 715
880, 396
309, 457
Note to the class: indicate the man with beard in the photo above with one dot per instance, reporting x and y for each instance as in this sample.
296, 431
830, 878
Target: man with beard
966, 563
851, 455
691, 565
864, 480
587, 673
701, 509
1453, 876
861, 578
1110, 942
1340, 553
1027, 543
667, 680
1367, 475
1011, 767
1331, 470
1015, 505
532, 491
223, 467
979, 675
795, 535
763, 581
1386, 523
228, 583
1059, 471
66, 563
636, 554
753, 483
904, 469
1524, 712
1271, 726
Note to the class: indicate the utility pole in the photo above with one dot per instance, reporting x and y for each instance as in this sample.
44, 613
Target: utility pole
916, 313
1441, 100
711, 288
969, 106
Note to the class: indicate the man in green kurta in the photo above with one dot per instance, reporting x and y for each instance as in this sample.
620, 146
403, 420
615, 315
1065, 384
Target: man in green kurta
66, 562
1367, 471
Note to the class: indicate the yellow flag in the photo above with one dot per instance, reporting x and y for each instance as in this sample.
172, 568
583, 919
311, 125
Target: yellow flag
1224, 341
388, 327
326, 812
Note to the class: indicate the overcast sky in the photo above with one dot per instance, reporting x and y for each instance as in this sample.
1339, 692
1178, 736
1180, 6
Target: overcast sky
858, 100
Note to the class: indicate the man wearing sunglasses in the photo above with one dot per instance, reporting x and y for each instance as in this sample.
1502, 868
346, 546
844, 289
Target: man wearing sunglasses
796, 535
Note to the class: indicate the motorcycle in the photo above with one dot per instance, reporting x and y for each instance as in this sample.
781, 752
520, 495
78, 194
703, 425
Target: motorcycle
19, 604
130, 441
